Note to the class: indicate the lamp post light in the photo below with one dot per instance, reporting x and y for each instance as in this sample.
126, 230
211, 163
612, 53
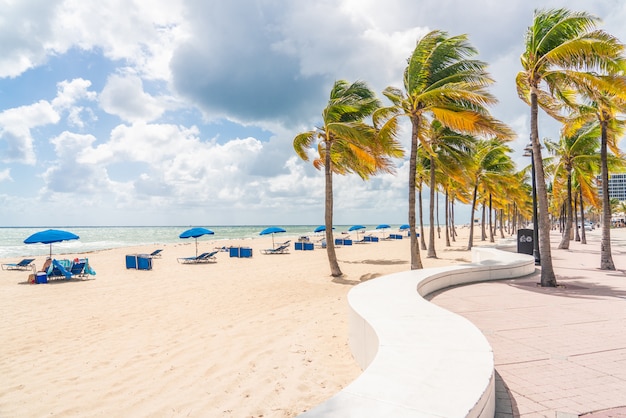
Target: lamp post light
529, 153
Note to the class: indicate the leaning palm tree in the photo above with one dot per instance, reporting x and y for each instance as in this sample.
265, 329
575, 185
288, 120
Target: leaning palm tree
421, 174
574, 155
447, 150
605, 104
346, 144
490, 165
442, 82
559, 45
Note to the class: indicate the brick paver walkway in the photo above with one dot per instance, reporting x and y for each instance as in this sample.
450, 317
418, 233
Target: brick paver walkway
561, 352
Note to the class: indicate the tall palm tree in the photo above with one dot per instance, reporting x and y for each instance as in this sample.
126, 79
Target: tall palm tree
447, 150
421, 174
442, 82
346, 144
605, 104
575, 156
491, 164
559, 45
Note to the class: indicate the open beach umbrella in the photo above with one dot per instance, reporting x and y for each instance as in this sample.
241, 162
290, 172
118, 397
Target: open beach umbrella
383, 227
195, 233
404, 226
50, 236
272, 230
356, 228
321, 228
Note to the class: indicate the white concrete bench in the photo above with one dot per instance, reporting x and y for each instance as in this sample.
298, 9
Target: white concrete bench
420, 360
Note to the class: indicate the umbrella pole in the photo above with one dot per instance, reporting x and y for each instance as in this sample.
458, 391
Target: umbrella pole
196, 247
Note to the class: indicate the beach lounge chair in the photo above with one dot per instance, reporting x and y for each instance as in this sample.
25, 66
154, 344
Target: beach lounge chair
281, 249
155, 253
202, 258
25, 264
80, 268
58, 270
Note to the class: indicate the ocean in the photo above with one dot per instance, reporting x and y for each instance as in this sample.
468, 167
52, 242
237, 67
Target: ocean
94, 238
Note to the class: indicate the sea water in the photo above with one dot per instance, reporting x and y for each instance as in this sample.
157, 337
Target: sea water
93, 238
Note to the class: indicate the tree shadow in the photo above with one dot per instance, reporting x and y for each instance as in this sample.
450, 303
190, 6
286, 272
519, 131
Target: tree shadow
572, 285
378, 262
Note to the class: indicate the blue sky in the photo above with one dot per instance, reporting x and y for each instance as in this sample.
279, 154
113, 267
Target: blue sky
183, 112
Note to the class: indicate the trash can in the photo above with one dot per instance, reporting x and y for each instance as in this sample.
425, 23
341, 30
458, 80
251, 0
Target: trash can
525, 241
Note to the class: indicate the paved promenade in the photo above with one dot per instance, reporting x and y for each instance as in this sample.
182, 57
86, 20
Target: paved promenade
559, 352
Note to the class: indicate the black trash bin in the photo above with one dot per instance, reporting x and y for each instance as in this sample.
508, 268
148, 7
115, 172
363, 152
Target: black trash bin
525, 241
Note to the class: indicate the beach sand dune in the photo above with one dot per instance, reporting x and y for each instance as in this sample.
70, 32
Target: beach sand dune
244, 337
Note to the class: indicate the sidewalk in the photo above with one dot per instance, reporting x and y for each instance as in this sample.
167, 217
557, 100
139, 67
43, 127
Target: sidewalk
561, 352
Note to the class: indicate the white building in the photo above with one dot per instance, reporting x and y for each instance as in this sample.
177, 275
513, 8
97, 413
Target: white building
617, 186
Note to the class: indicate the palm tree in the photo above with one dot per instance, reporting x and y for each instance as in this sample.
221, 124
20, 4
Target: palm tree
558, 46
605, 103
575, 157
442, 82
490, 165
421, 173
346, 144
447, 150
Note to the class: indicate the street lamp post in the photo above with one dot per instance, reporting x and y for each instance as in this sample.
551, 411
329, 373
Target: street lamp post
529, 153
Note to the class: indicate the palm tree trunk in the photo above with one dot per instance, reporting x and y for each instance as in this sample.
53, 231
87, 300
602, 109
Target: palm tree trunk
470, 242
548, 278
416, 261
447, 231
452, 226
583, 236
422, 239
490, 219
576, 223
606, 258
335, 271
437, 211
502, 223
483, 232
564, 245
431, 228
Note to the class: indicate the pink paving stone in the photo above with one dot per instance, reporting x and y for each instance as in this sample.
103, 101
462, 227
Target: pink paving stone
558, 350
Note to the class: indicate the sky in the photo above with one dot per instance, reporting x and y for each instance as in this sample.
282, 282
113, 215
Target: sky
183, 112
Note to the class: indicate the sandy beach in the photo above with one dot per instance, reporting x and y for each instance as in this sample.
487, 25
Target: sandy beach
243, 337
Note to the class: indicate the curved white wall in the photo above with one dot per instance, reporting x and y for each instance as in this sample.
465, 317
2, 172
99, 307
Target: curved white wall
420, 360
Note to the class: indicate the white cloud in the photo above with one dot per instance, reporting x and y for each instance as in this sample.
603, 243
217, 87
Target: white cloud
5, 175
15, 130
124, 96
141, 34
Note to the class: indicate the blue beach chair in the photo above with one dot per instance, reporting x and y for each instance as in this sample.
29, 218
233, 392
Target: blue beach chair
25, 264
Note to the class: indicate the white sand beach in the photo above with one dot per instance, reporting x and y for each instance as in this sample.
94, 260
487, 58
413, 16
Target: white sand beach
243, 337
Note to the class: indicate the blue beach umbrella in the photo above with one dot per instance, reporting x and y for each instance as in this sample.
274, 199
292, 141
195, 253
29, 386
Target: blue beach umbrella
404, 226
195, 233
356, 228
272, 230
383, 227
321, 228
50, 236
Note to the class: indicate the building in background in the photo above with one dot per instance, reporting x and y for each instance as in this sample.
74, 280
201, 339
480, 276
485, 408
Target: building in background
617, 186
